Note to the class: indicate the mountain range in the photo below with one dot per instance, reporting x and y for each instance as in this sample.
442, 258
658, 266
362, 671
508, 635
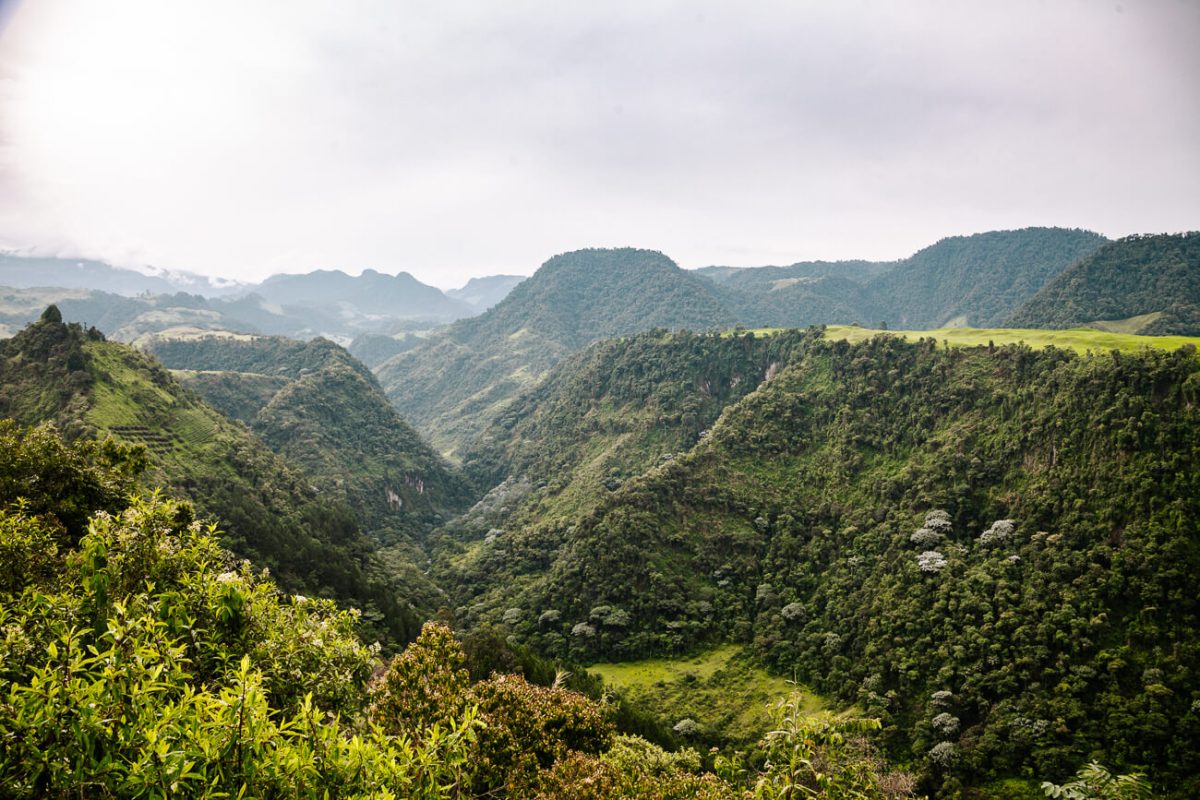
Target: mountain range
455, 382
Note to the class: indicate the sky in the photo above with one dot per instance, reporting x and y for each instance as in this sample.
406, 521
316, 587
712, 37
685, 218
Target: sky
455, 139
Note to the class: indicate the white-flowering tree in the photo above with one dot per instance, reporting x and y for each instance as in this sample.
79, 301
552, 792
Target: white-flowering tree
1001, 531
945, 723
926, 537
931, 561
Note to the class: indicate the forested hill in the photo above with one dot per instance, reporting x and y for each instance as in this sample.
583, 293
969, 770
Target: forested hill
321, 409
269, 510
616, 409
1140, 284
452, 386
992, 549
974, 280
960, 281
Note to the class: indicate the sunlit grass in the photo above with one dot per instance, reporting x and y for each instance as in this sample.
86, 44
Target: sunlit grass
722, 690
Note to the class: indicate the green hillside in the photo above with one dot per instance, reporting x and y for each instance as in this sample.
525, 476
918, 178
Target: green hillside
613, 411
1151, 283
321, 409
991, 549
973, 280
454, 384
271, 513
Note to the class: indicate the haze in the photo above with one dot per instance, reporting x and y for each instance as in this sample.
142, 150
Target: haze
457, 139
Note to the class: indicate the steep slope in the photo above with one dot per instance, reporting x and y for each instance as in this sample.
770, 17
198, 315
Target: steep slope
372, 349
270, 512
326, 414
400, 296
993, 549
1153, 279
454, 384
975, 280
616, 409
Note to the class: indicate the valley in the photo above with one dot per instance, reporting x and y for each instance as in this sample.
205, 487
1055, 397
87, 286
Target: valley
627, 480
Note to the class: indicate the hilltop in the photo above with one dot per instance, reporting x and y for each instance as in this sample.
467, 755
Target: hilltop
452, 385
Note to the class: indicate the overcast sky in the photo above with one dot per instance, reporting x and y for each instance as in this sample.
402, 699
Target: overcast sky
450, 139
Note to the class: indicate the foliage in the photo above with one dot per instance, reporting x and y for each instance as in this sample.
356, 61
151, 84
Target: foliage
1135, 276
817, 756
1095, 782
142, 666
524, 727
74, 479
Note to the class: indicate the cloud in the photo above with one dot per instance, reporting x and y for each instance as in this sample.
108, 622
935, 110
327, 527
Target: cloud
465, 138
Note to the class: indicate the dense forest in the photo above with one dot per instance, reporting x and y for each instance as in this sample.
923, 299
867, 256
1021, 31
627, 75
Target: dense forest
1149, 283
141, 660
993, 550
329, 418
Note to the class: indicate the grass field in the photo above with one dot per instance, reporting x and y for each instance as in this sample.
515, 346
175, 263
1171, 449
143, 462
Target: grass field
720, 689
1081, 340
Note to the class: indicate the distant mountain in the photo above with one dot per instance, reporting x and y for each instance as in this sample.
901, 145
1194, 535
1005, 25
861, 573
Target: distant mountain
130, 319
973, 281
1140, 284
371, 293
373, 349
483, 293
26, 272
128, 304
270, 511
452, 385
